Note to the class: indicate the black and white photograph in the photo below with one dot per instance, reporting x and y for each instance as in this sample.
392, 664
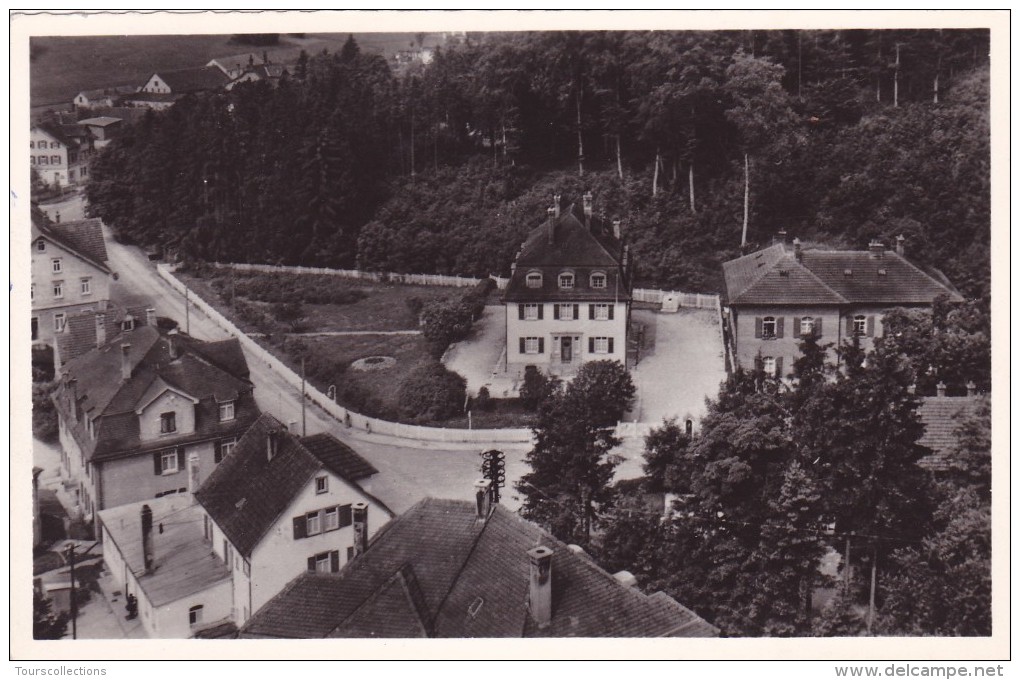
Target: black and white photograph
500, 326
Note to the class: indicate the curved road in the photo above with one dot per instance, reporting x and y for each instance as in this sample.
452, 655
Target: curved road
409, 471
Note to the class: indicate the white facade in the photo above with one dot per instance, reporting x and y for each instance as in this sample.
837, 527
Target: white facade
558, 337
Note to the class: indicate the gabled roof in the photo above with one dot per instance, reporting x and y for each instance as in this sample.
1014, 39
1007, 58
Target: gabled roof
248, 492
95, 378
775, 275
104, 92
942, 417
183, 562
99, 121
84, 238
565, 243
439, 571
57, 132
79, 334
338, 457
198, 79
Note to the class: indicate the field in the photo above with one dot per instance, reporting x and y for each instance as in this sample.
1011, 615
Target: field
62, 66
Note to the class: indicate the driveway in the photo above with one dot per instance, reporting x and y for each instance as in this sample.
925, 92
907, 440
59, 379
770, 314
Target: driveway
479, 358
684, 365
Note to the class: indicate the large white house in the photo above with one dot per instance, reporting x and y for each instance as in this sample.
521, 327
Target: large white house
568, 298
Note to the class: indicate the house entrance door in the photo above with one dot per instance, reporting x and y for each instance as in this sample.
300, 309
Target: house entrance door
566, 349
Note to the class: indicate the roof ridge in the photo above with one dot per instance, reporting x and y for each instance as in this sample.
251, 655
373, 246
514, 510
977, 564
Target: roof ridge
822, 283
758, 278
463, 564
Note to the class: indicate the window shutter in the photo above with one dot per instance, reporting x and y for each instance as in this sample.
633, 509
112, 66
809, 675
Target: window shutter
871, 326
522, 345
311, 563
591, 312
591, 345
520, 312
610, 343
611, 313
849, 327
541, 345
556, 312
344, 515
757, 326
779, 326
577, 312
217, 451
300, 527
796, 327
157, 463
180, 458
334, 561
541, 310
818, 326
779, 367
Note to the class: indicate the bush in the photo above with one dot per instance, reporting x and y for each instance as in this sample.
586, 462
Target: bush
414, 306
536, 388
483, 401
44, 413
431, 392
446, 321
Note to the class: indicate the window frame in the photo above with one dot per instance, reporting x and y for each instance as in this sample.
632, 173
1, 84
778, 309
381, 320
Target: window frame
195, 614
598, 275
533, 279
58, 290
163, 457
807, 325
860, 322
57, 265
168, 422
40, 245
313, 519
601, 344
530, 342
227, 406
531, 311
765, 366
568, 277
322, 484
602, 311
86, 285
59, 322
331, 524
767, 321
44, 160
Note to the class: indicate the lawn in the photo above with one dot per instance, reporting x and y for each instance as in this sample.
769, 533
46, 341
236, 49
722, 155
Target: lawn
62, 66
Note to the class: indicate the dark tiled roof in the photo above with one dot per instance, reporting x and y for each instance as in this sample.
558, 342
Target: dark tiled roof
187, 80
58, 132
153, 97
104, 92
439, 569
574, 247
941, 416
338, 457
100, 121
104, 394
83, 237
79, 334
248, 492
829, 277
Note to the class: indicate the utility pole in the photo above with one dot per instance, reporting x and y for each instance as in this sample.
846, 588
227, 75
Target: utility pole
304, 430
846, 563
871, 601
187, 310
896, 79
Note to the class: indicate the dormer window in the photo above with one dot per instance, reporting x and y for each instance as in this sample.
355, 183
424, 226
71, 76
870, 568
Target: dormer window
534, 279
226, 411
598, 280
848, 272
128, 324
566, 280
168, 422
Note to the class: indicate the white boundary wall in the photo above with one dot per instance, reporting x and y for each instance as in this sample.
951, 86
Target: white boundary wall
695, 300
378, 277
344, 415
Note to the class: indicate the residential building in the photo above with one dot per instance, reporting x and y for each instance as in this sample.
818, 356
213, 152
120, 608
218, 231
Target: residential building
88, 330
104, 96
280, 505
154, 551
60, 153
134, 408
69, 274
234, 65
460, 569
102, 128
162, 89
268, 73
568, 298
778, 295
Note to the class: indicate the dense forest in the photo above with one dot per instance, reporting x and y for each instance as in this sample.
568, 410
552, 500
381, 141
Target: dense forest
701, 142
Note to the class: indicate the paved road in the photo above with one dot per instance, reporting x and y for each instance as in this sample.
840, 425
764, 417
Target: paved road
408, 472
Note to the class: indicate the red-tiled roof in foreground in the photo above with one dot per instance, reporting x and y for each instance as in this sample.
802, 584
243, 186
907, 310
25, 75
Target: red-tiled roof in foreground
438, 571
942, 417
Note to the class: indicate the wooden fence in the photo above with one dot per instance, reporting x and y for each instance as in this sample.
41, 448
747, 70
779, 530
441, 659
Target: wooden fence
377, 277
691, 300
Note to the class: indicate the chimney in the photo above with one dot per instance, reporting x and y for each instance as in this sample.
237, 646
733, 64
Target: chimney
876, 248
556, 203
359, 512
625, 578
797, 253
483, 499
551, 224
272, 444
616, 229
125, 363
900, 250
193, 478
940, 389
171, 343
100, 329
540, 586
147, 538
971, 388
150, 317
587, 202
781, 236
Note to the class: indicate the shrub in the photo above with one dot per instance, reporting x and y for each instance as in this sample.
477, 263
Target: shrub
483, 401
44, 413
446, 321
536, 388
288, 312
414, 306
431, 392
